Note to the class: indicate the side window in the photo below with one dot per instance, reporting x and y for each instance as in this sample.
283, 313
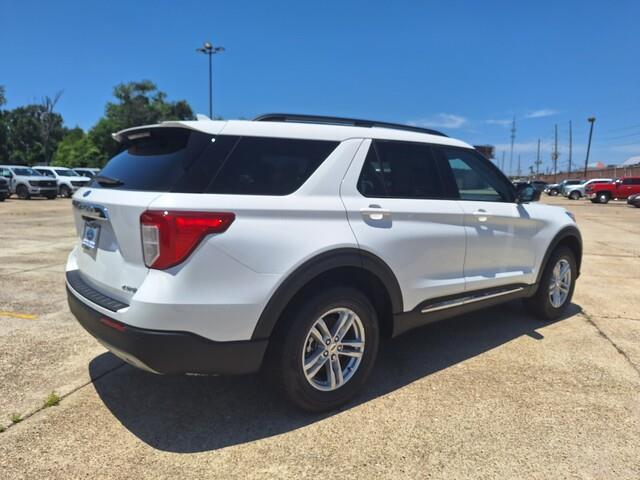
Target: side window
635, 181
270, 166
400, 170
4, 172
474, 179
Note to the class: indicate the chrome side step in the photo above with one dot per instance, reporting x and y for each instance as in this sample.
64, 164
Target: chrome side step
456, 302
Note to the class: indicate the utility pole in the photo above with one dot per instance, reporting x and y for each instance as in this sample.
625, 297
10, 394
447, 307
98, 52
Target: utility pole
518, 165
570, 146
502, 167
209, 50
554, 156
513, 137
538, 161
591, 120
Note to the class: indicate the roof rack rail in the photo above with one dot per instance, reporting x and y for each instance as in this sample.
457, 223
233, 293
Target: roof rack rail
355, 122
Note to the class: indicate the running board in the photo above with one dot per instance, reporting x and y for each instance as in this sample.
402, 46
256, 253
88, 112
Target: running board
457, 302
436, 309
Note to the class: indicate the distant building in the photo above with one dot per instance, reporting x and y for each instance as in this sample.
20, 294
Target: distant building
631, 161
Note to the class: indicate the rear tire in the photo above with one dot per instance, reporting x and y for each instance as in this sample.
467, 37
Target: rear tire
294, 353
23, 192
554, 293
604, 197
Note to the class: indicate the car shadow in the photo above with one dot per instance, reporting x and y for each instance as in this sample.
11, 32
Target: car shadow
187, 414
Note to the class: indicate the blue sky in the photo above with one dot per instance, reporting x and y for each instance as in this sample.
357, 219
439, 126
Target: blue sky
466, 67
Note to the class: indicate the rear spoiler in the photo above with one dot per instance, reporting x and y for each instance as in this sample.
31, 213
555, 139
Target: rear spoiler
128, 134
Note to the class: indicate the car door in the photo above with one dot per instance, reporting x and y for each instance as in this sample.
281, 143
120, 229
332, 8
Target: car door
628, 187
6, 173
397, 208
500, 232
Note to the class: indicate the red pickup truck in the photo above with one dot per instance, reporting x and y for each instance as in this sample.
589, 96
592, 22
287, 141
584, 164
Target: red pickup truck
619, 188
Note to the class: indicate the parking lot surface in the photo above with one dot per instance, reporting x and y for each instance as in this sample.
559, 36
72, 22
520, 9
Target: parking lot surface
493, 394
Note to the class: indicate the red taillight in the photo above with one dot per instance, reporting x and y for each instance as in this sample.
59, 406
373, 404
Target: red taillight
168, 237
113, 324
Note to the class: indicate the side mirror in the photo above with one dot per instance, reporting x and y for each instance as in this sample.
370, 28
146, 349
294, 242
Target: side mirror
526, 193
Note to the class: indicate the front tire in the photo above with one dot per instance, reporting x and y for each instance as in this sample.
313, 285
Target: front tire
553, 192
23, 192
604, 197
323, 353
574, 195
65, 192
556, 286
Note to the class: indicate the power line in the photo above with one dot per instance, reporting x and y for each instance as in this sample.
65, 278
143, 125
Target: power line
628, 127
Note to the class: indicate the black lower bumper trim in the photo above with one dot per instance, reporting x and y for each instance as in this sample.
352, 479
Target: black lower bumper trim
169, 352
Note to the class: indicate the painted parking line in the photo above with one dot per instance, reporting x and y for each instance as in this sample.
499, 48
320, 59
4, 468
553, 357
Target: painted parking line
24, 316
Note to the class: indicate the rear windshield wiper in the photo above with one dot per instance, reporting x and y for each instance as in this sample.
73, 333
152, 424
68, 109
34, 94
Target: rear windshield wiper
108, 181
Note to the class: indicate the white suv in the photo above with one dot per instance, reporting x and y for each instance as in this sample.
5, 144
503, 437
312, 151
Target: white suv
25, 182
68, 180
297, 242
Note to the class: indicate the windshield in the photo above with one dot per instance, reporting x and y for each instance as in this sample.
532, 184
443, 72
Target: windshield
66, 173
26, 171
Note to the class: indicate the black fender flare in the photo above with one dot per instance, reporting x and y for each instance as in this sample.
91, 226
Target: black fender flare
566, 232
324, 262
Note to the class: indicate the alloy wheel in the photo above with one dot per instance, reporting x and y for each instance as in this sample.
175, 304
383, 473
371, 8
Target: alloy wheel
560, 283
333, 349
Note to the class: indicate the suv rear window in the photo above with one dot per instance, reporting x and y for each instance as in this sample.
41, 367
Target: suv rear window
177, 160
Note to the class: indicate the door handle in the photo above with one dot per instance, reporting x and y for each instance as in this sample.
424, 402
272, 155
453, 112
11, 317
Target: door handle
375, 212
481, 215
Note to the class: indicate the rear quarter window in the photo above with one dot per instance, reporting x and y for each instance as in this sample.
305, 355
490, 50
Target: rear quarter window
269, 166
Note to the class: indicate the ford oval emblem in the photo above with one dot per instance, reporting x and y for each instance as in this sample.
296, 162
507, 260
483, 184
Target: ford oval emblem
86, 194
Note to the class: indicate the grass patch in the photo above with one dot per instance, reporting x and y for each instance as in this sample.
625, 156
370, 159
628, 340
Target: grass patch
2, 429
52, 400
16, 418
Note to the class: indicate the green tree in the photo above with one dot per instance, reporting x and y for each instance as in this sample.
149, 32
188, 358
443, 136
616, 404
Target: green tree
76, 150
30, 134
137, 103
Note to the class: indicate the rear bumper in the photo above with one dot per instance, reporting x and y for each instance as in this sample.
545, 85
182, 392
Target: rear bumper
168, 352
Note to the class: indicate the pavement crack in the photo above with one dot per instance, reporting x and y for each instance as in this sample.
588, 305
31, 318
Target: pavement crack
590, 320
31, 413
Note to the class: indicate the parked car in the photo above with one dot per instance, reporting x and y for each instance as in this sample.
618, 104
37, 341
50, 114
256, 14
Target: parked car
621, 189
634, 200
577, 191
68, 181
297, 242
555, 188
539, 185
25, 182
4, 189
87, 172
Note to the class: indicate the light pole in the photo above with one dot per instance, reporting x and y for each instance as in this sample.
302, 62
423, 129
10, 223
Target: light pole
210, 50
591, 120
